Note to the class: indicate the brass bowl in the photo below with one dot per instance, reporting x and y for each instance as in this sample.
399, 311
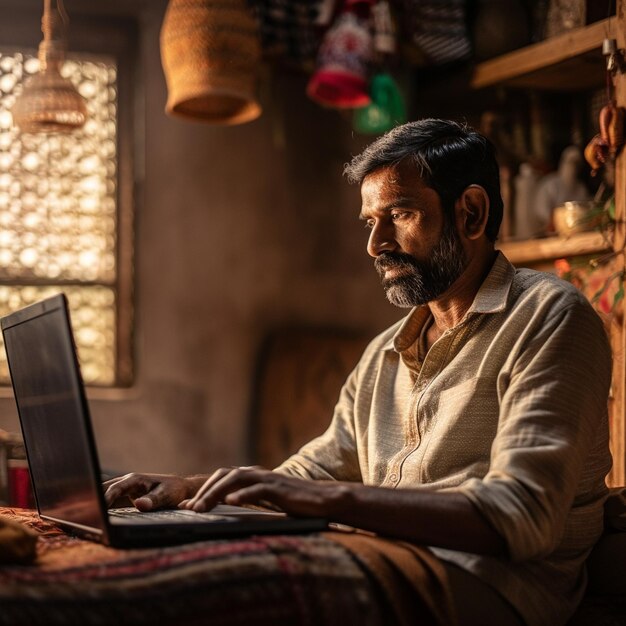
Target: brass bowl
576, 217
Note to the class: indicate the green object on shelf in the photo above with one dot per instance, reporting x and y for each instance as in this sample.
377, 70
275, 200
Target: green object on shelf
386, 110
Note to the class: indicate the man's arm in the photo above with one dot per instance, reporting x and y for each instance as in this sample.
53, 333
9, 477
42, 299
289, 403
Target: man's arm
443, 519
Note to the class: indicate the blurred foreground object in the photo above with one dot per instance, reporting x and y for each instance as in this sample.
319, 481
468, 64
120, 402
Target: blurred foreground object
15, 486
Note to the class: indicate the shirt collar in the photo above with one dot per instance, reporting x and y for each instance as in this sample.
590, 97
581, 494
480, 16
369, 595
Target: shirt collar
491, 298
494, 292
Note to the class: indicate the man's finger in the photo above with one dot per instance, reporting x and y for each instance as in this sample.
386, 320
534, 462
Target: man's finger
280, 495
115, 489
229, 482
158, 497
116, 479
217, 480
207, 485
213, 479
110, 487
145, 503
206, 497
131, 485
259, 493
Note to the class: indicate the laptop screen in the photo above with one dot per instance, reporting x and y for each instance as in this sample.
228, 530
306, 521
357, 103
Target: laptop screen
51, 405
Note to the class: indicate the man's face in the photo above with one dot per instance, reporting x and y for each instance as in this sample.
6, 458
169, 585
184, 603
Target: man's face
417, 250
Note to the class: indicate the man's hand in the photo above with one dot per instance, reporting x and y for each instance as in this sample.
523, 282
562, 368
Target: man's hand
258, 486
418, 515
151, 491
422, 516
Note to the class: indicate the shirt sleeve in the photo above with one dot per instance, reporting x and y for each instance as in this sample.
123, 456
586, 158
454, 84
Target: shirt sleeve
552, 425
333, 455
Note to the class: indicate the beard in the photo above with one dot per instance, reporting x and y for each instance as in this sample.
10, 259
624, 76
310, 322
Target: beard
423, 281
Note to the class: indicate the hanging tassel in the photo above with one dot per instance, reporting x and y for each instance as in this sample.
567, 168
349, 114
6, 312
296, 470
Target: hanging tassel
384, 28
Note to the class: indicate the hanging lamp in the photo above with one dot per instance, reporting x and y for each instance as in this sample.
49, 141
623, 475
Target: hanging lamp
49, 103
211, 55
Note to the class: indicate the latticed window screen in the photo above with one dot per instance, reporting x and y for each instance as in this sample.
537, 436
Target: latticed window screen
58, 211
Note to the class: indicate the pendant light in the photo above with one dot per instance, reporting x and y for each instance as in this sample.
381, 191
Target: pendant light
49, 103
211, 55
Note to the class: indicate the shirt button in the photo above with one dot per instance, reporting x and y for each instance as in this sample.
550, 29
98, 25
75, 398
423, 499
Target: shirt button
393, 478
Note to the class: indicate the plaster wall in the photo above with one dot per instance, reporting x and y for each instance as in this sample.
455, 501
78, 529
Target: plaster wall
238, 231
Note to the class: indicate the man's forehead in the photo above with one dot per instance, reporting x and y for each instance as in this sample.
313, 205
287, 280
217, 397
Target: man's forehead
402, 178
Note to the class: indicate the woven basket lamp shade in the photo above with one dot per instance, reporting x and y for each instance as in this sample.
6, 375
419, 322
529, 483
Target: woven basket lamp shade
49, 103
211, 52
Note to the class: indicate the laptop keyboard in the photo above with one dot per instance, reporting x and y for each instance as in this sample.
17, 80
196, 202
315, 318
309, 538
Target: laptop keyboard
177, 516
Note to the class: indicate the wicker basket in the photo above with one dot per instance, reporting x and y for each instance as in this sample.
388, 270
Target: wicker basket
211, 54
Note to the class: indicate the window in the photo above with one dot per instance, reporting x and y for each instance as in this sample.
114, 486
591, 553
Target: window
64, 222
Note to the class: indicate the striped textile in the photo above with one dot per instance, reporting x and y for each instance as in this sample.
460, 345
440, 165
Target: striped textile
288, 29
439, 28
269, 580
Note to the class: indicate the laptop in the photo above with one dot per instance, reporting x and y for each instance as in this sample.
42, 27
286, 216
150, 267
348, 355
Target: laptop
61, 451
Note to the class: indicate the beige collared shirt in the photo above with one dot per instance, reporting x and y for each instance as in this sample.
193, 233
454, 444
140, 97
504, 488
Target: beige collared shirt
510, 408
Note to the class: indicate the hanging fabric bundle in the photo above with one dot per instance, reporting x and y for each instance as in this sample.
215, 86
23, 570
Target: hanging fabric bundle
385, 111
211, 56
289, 30
387, 108
344, 59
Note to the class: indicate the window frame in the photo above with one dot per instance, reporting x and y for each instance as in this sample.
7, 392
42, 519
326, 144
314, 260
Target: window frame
117, 38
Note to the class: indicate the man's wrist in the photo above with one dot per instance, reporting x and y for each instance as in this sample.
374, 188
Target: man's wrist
343, 501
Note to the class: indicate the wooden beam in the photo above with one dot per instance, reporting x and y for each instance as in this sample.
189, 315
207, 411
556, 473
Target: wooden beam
542, 56
533, 250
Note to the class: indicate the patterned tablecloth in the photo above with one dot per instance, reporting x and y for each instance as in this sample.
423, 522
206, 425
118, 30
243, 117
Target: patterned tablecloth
295, 579
303, 580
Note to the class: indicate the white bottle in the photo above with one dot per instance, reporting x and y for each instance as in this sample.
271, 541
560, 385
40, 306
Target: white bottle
527, 222
560, 186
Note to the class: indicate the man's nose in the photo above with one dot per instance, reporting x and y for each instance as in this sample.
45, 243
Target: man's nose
381, 240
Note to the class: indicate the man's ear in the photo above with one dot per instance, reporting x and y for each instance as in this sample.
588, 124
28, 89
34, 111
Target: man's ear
472, 211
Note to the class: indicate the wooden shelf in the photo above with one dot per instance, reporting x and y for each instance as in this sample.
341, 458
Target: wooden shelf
572, 61
536, 250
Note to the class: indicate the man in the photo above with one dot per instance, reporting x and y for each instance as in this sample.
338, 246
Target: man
477, 425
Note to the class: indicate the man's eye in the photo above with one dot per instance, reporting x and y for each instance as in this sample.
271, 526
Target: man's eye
369, 224
396, 215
